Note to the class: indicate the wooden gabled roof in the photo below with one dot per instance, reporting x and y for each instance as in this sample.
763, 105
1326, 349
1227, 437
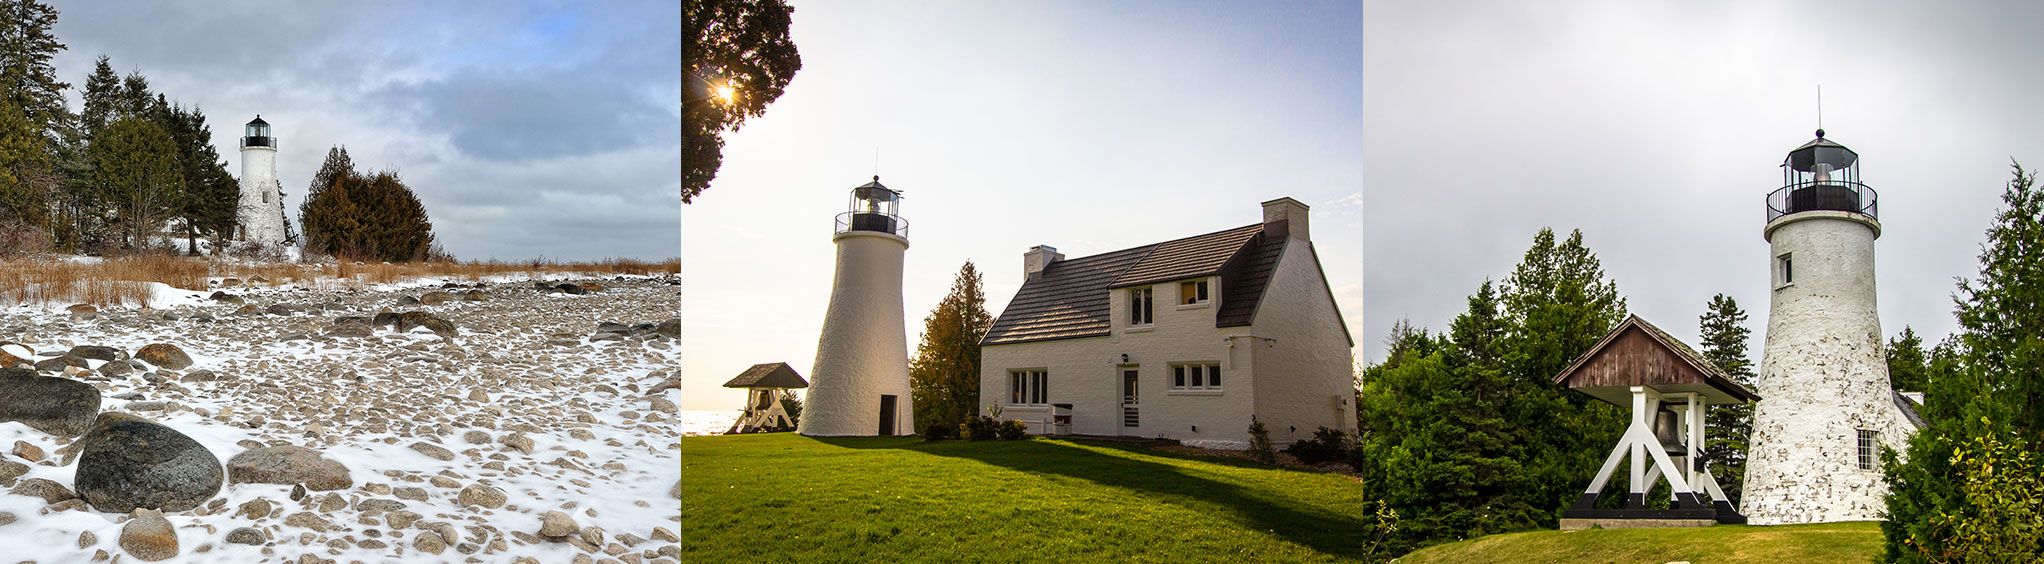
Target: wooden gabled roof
769, 375
1636, 353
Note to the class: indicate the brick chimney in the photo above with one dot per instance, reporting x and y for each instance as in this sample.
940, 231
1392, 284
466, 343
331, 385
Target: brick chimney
1291, 213
1037, 258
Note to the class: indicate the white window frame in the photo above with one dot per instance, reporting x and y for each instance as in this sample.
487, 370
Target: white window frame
1202, 294
1029, 386
1869, 445
1784, 271
1142, 309
1195, 377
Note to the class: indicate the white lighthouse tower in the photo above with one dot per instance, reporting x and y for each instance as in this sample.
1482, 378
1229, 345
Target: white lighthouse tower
859, 384
1827, 405
261, 213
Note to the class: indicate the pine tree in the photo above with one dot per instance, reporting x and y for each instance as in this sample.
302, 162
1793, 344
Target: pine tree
24, 171
318, 228
1908, 362
742, 44
1993, 394
28, 42
137, 165
944, 375
1559, 304
1724, 332
369, 217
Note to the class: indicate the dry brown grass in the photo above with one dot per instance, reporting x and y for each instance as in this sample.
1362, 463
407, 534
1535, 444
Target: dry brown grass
124, 281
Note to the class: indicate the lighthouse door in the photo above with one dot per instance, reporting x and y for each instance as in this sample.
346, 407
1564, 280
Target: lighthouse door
886, 416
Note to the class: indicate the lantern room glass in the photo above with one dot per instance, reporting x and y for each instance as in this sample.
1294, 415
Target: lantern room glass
258, 129
876, 199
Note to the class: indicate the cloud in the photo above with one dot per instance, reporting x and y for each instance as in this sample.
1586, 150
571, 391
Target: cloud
528, 129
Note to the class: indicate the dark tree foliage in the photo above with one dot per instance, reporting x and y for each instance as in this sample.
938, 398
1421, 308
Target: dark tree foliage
1908, 362
368, 217
211, 195
33, 119
27, 43
944, 374
1435, 445
1986, 387
337, 165
740, 44
1465, 434
137, 167
1724, 332
1558, 304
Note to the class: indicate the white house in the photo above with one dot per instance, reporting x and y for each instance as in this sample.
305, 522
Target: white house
1185, 339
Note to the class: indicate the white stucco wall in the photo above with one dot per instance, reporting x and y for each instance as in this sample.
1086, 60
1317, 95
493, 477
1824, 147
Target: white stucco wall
1823, 376
1303, 373
863, 351
1086, 373
260, 212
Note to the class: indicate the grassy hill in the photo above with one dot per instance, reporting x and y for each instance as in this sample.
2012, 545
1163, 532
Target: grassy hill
784, 497
1829, 542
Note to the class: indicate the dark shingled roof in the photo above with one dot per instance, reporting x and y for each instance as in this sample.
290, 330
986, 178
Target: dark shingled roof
1248, 274
769, 375
1909, 411
1069, 298
1186, 258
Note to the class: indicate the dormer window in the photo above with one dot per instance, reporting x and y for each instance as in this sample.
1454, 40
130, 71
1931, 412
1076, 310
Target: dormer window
1140, 302
1190, 293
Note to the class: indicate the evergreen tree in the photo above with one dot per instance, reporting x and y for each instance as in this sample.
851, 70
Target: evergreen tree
137, 165
102, 90
318, 227
1908, 362
25, 178
27, 43
944, 375
211, 195
1559, 304
1724, 332
739, 44
369, 217
1992, 395
1436, 447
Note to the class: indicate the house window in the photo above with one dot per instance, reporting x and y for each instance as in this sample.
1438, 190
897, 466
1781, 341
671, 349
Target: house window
1196, 376
1028, 387
1867, 455
1139, 302
1785, 269
1192, 292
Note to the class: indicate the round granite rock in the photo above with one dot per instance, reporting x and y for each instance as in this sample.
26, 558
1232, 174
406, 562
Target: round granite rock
127, 463
58, 406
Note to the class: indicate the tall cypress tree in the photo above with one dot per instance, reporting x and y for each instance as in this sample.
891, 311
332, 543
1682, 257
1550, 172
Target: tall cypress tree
1723, 327
944, 374
319, 227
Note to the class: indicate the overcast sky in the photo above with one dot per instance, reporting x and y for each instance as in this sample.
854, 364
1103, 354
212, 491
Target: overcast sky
528, 128
1090, 127
1657, 128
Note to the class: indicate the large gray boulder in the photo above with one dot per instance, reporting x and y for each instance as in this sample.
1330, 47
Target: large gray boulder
58, 406
288, 465
126, 462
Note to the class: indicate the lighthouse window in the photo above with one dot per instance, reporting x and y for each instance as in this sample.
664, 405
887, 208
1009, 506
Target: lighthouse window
1786, 267
1139, 310
1028, 387
1867, 455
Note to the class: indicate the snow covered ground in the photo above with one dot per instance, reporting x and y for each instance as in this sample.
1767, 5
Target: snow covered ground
522, 363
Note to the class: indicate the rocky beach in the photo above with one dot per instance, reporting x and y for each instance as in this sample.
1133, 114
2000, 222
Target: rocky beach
501, 420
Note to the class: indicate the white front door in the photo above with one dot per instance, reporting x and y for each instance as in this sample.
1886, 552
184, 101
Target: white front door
1131, 416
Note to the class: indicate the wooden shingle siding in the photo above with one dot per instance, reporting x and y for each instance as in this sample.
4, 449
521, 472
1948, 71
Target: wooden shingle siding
1634, 359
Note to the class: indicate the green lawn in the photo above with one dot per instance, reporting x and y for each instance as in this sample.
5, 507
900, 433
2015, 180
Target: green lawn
784, 497
1782, 544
